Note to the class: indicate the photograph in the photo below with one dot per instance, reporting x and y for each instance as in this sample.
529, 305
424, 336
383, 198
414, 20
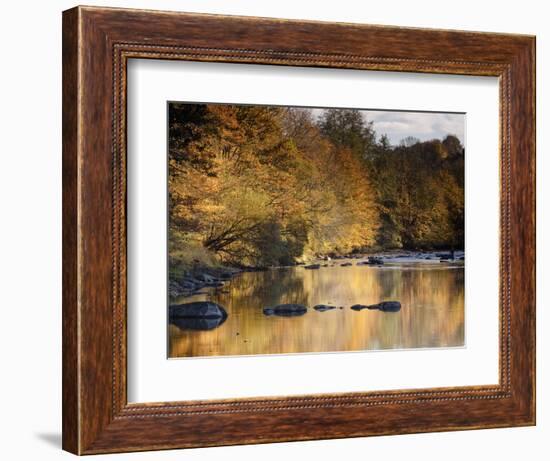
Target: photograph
279, 225
310, 230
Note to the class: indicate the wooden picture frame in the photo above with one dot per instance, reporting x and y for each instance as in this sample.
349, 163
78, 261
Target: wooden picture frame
97, 43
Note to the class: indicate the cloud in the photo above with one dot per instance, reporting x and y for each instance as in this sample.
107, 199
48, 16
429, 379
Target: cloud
421, 125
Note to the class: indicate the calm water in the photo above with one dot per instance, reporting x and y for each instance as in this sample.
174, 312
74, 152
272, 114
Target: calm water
432, 313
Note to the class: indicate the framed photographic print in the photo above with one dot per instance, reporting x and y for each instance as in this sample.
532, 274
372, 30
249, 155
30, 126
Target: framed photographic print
284, 230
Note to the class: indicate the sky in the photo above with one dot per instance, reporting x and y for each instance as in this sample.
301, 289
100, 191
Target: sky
422, 125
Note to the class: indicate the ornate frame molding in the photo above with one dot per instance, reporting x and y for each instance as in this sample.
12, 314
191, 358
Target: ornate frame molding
98, 43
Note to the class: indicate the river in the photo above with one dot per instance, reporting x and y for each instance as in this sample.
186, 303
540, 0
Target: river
432, 314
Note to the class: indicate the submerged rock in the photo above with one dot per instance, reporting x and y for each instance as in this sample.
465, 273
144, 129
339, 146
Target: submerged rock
386, 306
346, 264
312, 266
323, 307
285, 310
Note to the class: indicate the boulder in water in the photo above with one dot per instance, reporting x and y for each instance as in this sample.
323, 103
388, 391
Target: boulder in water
199, 309
360, 307
200, 315
371, 261
197, 323
385, 306
323, 307
286, 310
312, 266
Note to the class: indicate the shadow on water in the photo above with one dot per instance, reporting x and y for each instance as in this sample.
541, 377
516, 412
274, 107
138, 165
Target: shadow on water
431, 313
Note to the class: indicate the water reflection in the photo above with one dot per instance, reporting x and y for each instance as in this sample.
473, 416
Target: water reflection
187, 323
432, 313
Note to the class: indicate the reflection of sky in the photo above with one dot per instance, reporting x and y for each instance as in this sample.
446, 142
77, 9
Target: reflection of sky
421, 125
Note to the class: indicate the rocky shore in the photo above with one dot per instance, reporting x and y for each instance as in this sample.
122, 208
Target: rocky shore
194, 281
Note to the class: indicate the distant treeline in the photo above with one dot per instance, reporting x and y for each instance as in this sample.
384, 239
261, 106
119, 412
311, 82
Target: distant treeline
256, 185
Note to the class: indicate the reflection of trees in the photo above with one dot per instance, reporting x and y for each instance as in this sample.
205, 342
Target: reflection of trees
262, 289
432, 314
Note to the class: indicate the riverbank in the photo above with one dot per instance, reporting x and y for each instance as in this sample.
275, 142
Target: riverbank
202, 278
192, 282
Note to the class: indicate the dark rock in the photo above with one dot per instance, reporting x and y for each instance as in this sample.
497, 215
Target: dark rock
360, 307
200, 315
214, 284
286, 310
174, 289
198, 309
312, 266
188, 284
371, 261
196, 323
255, 269
374, 260
206, 278
346, 264
323, 307
389, 306
386, 306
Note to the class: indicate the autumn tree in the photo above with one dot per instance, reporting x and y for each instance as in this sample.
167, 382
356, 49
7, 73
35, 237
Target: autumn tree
420, 192
258, 185
347, 128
